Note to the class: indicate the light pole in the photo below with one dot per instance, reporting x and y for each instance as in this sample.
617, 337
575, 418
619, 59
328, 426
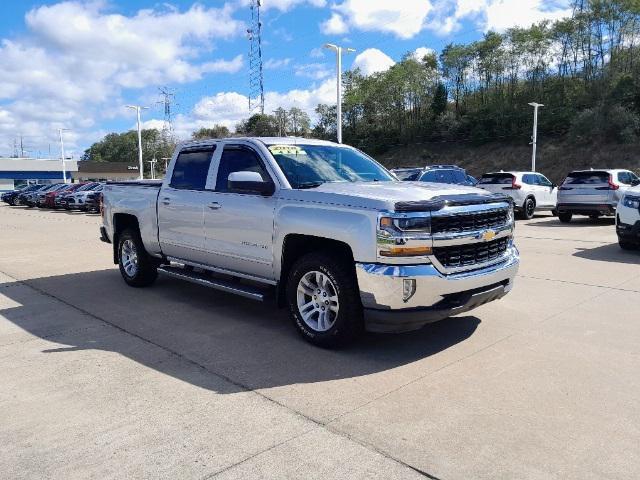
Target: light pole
137, 108
534, 137
339, 50
64, 171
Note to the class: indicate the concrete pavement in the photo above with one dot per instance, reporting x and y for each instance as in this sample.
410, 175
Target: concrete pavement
178, 381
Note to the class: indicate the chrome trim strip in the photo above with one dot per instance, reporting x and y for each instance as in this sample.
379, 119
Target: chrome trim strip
216, 284
467, 238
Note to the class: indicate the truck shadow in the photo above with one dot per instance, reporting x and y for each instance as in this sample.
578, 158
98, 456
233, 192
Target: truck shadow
252, 344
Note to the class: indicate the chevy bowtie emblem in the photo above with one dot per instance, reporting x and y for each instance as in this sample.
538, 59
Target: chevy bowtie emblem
488, 235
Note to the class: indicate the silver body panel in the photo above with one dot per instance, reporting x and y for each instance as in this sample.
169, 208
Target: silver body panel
244, 235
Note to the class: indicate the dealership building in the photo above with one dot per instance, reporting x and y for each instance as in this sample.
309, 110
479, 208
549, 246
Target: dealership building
16, 172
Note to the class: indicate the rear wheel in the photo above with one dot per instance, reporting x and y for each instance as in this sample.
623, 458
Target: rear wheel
136, 266
565, 217
324, 300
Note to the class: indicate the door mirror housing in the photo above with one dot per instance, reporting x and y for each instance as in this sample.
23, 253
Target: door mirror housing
635, 182
249, 182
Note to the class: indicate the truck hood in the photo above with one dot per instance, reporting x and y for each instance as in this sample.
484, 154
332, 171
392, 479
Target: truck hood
382, 195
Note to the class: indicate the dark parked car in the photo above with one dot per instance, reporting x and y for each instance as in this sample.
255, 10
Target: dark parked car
451, 174
39, 198
76, 200
13, 197
94, 200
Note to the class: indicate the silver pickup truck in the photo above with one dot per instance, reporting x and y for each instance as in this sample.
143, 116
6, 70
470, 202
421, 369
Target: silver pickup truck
321, 228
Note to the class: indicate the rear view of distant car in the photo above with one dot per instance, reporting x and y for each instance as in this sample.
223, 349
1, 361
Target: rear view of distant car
530, 191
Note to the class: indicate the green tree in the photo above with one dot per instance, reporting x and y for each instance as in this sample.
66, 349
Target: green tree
217, 131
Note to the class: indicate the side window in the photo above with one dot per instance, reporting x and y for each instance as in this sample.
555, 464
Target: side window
238, 160
529, 179
429, 176
544, 181
190, 170
625, 177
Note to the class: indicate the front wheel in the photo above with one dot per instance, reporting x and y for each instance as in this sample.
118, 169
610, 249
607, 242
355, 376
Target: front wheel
136, 266
324, 300
528, 209
565, 217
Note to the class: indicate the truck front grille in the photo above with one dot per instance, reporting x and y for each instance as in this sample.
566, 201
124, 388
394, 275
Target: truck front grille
470, 254
469, 222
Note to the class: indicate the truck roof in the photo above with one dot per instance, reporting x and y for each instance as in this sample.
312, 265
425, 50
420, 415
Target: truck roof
264, 140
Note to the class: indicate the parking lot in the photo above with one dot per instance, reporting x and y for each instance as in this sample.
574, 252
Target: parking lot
178, 381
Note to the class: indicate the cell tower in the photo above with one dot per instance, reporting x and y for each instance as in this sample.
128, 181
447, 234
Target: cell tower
167, 100
256, 82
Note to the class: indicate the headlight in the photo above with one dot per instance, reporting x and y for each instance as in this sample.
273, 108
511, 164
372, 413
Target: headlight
404, 236
631, 201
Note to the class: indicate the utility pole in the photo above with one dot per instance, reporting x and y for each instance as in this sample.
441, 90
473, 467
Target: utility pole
64, 170
339, 50
256, 78
534, 137
137, 108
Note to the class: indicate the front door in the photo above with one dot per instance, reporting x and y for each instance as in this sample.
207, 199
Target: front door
239, 226
181, 206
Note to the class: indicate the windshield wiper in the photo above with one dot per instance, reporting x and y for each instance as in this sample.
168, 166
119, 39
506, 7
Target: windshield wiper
309, 184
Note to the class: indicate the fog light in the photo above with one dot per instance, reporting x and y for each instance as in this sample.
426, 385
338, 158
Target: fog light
408, 289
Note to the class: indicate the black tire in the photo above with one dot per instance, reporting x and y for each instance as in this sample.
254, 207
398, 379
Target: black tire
349, 322
627, 245
146, 270
565, 217
528, 209
554, 212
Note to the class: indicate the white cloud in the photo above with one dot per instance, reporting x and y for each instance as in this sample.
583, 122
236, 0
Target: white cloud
421, 52
502, 14
372, 61
403, 18
315, 71
285, 5
75, 59
229, 108
276, 64
334, 25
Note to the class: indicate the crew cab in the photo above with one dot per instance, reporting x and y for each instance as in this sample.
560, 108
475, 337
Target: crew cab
319, 227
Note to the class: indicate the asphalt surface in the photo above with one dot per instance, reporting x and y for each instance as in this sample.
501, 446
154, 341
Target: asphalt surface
100, 380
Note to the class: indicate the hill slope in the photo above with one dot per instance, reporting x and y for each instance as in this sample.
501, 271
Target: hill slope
554, 158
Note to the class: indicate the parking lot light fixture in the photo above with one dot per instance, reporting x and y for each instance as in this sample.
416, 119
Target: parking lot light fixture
534, 137
137, 108
338, 51
64, 171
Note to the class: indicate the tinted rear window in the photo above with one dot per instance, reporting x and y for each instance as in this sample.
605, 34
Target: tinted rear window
444, 176
496, 179
586, 178
190, 170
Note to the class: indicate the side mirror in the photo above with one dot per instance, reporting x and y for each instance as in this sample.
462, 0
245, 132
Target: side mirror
635, 182
249, 182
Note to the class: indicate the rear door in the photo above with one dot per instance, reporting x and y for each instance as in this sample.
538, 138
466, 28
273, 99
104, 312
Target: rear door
586, 187
181, 205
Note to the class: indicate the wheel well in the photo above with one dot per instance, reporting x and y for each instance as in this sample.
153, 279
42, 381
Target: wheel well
122, 222
296, 245
532, 198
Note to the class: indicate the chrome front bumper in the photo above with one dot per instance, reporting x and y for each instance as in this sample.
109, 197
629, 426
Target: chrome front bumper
437, 296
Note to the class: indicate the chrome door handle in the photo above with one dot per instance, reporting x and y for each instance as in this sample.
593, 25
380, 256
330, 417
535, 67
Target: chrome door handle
166, 201
215, 206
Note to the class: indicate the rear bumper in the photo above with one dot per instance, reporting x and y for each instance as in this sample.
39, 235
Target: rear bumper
436, 296
587, 208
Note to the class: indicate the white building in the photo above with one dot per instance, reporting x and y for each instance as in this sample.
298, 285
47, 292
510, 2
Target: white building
15, 172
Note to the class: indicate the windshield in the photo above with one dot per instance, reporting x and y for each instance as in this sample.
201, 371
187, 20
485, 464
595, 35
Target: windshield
408, 175
307, 166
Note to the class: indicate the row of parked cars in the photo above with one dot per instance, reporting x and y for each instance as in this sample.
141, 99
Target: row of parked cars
69, 196
593, 192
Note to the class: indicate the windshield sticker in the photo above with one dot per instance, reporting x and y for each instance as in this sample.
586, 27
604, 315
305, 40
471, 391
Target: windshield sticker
286, 150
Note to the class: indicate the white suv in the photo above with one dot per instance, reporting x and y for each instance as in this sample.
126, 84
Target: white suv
628, 219
593, 192
530, 191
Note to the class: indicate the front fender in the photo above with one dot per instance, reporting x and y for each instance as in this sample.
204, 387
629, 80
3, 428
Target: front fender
354, 227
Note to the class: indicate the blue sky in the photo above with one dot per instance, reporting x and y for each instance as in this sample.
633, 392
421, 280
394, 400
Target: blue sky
75, 64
